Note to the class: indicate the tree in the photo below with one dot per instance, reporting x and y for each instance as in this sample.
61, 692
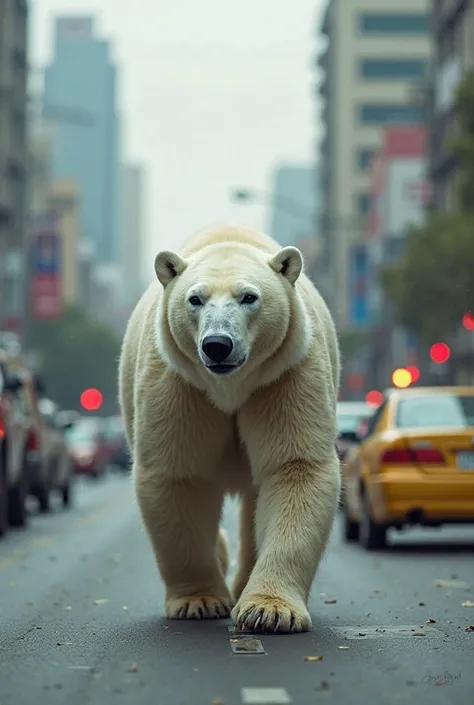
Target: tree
431, 286
76, 353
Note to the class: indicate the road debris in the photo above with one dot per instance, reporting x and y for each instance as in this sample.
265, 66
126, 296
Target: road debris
468, 603
343, 647
133, 668
217, 701
454, 583
101, 602
419, 634
470, 628
431, 621
330, 602
313, 658
247, 645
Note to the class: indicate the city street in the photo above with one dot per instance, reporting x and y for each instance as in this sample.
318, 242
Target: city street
81, 620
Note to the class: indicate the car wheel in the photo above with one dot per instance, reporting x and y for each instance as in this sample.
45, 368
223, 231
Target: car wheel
17, 514
66, 494
350, 527
372, 536
3, 504
42, 495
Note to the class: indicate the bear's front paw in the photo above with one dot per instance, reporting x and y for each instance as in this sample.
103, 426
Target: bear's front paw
198, 607
270, 613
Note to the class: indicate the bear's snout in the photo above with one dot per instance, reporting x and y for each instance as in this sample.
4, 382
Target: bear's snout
217, 348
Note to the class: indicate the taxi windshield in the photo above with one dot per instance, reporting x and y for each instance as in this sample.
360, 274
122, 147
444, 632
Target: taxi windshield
436, 411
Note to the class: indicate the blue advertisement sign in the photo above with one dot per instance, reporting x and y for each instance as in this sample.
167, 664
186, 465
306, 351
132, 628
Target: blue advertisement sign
358, 280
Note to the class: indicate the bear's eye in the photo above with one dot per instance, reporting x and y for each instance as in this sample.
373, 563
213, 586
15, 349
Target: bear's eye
249, 299
195, 301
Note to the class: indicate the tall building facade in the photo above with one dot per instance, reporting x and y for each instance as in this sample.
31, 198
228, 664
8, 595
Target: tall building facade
453, 47
292, 208
375, 66
132, 232
81, 85
13, 158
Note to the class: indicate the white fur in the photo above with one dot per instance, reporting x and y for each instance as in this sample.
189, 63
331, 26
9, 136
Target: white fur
266, 430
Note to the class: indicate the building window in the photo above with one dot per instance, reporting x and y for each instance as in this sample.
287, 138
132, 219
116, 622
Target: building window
382, 114
363, 204
391, 23
395, 69
364, 157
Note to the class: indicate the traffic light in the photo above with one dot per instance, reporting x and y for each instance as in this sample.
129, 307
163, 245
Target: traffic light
91, 399
468, 320
440, 353
415, 373
374, 398
401, 378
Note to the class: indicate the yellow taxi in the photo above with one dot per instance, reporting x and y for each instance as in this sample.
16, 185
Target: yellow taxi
414, 464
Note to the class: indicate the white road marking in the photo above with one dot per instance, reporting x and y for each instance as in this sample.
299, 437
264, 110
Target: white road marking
265, 696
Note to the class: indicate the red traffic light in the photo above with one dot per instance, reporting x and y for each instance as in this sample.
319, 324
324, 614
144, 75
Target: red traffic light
415, 373
91, 399
440, 353
374, 398
468, 320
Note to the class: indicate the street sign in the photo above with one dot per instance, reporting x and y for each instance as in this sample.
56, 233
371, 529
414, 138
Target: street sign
46, 284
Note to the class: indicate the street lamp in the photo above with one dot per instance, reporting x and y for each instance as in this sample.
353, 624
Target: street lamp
283, 203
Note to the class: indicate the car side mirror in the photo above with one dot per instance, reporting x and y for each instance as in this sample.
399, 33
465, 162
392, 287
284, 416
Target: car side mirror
12, 383
350, 437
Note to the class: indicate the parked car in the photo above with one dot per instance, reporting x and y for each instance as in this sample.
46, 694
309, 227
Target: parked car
415, 465
116, 442
13, 446
349, 415
86, 445
48, 464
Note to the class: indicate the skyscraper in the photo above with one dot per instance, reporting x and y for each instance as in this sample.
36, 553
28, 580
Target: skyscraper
293, 203
375, 68
13, 159
80, 84
132, 232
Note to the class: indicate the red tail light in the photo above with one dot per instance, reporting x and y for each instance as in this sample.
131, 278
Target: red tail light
402, 456
2, 429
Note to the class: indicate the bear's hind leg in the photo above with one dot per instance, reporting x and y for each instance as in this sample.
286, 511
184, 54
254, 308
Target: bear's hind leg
247, 544
182, 520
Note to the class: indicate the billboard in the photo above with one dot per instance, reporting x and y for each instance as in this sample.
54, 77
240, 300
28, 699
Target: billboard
46, 284
399, 192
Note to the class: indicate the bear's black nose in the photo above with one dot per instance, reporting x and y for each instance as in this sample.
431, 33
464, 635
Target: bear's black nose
217, 347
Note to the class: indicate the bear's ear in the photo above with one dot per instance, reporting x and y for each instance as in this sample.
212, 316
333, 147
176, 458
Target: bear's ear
168, 265
288, 262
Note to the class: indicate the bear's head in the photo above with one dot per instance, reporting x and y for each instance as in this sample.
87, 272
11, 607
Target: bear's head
227, 308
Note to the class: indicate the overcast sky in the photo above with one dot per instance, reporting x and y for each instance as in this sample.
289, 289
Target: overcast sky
213, 93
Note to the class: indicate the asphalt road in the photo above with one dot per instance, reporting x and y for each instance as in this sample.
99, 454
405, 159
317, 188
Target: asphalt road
81, 621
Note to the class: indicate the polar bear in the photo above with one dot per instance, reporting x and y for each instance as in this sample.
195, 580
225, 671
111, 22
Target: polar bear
229, 376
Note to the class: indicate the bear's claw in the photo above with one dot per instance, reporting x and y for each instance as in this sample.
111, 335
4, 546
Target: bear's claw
270, 613
198, 607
